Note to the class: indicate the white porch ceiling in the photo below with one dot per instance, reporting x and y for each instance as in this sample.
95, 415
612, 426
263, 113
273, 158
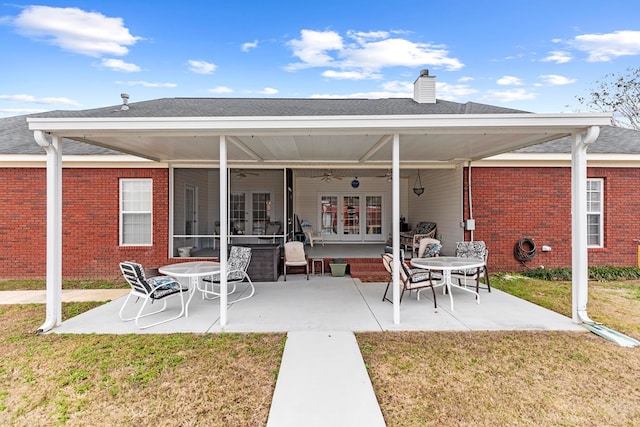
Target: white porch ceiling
322, 142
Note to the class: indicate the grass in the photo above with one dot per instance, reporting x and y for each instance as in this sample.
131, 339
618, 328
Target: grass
522, 378
127, 380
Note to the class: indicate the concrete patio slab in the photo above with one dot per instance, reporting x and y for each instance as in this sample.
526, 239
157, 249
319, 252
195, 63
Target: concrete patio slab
326, 303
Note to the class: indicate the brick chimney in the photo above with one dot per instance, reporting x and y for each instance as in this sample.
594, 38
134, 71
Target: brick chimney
424, 88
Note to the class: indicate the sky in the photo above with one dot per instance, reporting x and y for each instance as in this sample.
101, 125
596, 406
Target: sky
534, 56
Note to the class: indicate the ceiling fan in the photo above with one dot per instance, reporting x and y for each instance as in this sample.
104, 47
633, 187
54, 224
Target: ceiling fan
243, 173
388, 176
329, 176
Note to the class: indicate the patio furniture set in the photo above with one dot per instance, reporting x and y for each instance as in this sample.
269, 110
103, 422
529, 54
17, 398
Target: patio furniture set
432, 270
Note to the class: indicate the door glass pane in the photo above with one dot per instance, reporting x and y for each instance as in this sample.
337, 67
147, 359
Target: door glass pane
351, 215
237, 213
374, 215
261, 211
329, 214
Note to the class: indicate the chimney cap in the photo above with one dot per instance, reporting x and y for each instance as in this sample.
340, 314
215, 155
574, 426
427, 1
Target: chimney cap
424, 73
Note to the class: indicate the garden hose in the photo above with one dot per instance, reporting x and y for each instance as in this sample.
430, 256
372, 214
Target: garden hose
525, 250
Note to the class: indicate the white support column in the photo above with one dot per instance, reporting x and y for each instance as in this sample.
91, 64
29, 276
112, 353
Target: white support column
54, 231
224, 229
579, 254
395, 185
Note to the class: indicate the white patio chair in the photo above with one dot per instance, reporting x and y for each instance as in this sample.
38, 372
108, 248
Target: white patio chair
476, 249
237, 265
311, 235
294, 256
149, 289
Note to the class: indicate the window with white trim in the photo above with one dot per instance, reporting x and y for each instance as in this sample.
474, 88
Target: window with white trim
136, 207
595, 212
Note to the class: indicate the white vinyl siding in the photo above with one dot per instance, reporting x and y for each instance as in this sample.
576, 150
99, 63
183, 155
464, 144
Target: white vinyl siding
136, 203
595, 214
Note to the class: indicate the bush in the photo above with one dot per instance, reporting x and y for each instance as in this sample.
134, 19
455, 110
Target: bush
602, 274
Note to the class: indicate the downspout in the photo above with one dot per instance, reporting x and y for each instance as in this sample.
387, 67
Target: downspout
580, 256
54, 232
470, 199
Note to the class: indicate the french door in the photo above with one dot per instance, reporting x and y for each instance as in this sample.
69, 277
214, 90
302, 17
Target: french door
351, 217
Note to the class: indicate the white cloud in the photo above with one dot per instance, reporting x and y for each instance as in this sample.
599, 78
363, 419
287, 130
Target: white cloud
509, 81
8, 112
220, 89
246, 47
364, 54
453, 92
351, 75
465, 79
35, 100
312, 46
146, 84
509, 95
558, 56
75, 30
120, 65
396, 86
605, 47
268, 91
201, 67
556, 80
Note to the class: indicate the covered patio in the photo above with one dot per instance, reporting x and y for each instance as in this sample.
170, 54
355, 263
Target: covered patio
326, 303
389, 134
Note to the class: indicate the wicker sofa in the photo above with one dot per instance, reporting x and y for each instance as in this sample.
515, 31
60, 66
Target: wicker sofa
410, 240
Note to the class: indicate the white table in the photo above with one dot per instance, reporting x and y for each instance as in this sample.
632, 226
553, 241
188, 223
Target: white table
194, 271
446, 264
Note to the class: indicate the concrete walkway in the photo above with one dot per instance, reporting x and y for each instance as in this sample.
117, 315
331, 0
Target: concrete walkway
323, 382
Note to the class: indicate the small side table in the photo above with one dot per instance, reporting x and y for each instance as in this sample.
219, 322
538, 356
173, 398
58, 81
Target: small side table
313, 266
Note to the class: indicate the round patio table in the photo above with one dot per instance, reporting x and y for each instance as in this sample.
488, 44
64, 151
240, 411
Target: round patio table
446, 264
193, 271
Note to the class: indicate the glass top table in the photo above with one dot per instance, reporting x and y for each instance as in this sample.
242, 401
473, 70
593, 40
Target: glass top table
446, 264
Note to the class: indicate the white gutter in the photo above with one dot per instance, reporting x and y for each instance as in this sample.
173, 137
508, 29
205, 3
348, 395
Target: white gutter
54, 231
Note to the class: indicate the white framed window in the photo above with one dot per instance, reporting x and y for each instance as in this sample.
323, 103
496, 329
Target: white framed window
136, 207
595, 212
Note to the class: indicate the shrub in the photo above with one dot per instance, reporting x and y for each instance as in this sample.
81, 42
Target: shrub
602, 274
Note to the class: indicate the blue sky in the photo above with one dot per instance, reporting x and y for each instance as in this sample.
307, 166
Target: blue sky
535, 56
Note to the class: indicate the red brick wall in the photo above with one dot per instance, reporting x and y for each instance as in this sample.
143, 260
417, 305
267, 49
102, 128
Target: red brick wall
90, 222
509, 204
512, 203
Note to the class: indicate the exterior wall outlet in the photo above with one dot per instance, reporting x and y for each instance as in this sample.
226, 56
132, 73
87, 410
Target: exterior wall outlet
470, 224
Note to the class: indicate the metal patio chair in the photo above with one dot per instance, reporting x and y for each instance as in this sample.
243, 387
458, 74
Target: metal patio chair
150, 290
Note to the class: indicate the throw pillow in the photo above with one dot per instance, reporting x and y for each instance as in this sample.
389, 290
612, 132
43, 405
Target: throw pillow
431, 250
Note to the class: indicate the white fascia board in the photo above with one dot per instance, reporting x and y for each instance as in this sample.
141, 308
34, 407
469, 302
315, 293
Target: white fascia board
558, 159
498, 123
78, 161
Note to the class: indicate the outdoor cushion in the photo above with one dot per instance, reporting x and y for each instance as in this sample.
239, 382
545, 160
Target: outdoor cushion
431, 250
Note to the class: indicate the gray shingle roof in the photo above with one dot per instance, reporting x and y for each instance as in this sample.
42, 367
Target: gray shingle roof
612, 140
251, 107
15, 137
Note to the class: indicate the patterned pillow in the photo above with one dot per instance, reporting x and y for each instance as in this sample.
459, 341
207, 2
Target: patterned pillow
431, 250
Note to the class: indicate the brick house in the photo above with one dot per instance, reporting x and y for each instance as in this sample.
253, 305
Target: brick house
281, 158
515, 195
